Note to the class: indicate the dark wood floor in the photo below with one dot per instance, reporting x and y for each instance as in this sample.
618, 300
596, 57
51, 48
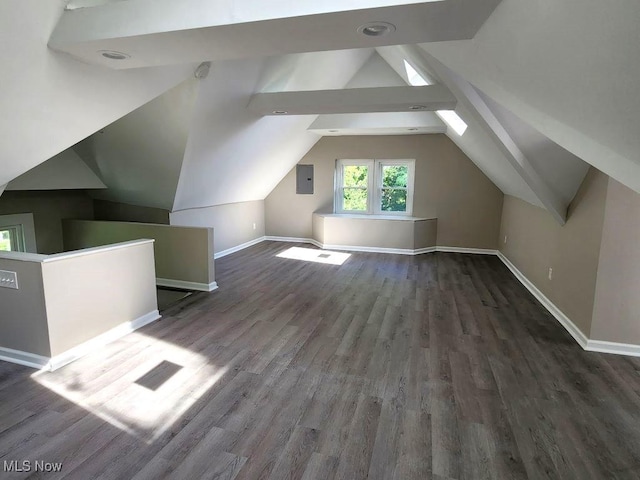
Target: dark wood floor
388, 367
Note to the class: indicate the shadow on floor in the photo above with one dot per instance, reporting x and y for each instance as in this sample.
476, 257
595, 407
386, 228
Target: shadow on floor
167, 297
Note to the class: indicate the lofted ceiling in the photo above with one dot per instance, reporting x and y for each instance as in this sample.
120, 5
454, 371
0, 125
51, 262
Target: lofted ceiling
541, 102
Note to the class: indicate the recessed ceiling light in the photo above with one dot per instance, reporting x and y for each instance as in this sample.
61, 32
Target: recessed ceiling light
113, 55
417, 107
280, 112
376, 29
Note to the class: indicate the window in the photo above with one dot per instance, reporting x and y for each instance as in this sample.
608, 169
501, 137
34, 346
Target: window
17, 233
382, 187
12, 239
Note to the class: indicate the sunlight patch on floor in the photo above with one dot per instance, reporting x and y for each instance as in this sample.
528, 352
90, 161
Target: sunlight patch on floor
317, 256
143, 394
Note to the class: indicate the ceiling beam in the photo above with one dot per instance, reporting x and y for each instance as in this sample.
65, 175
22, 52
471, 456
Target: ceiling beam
472, 100
354, 100
162, 32
387, 123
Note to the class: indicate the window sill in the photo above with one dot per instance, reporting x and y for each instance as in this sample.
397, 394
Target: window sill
404, 218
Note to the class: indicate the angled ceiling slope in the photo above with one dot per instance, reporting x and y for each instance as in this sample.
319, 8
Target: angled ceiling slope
139, 156
51, 101
164, 32
475, 142
65, 171
541, 167
568, 69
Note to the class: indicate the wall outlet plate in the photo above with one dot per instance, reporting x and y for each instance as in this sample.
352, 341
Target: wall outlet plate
8, 279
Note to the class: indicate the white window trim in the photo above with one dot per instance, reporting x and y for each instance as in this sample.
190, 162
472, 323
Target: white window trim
377, 198
339, 182
24, 220
374, 186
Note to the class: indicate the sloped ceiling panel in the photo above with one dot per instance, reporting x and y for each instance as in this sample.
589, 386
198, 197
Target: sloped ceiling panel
569, 69
376, 73
475, 142
563, 171
65, 171
139, 157
234, 155
50, 101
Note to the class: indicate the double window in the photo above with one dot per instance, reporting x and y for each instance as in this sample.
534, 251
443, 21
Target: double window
382, 187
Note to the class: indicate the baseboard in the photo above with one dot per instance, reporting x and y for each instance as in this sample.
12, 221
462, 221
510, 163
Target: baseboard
601, 346
23, 358
201, 287
474, 251
101, 340
569, 326
393, 251
237, 248
53, 363
355, 248
312, 241
422, 251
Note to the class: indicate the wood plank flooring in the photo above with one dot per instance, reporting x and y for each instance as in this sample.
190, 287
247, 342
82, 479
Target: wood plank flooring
439, 366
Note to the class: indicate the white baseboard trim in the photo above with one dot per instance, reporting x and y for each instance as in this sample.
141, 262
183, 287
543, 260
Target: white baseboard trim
23, 358
474, 251
312, 241
613, 347
421, 251
101, 340
589, 345
355, 248
394, 251
53, 363
201, 287
569, 326
237, 248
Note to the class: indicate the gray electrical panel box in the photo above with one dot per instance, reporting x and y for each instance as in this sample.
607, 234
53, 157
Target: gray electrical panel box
304, 179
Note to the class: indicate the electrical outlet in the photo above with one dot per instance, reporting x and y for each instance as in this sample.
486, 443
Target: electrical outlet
550, 273
8, 279
254, 226
505, 239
